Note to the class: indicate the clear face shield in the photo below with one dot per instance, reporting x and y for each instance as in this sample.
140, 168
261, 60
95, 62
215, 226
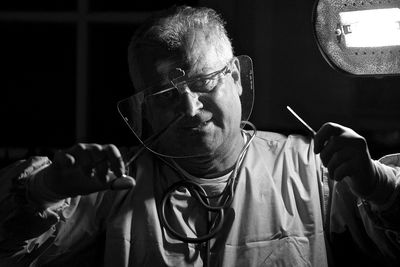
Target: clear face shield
141, 111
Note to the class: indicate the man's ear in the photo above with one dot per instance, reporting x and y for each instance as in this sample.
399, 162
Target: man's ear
236, 75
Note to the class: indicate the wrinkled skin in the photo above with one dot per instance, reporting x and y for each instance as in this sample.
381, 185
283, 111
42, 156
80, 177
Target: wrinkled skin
209, 131
211, 123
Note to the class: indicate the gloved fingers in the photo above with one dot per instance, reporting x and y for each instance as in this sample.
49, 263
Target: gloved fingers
91, 167
100, 172
123, 182
63, 160
90, 156
325, 134
338, 159
117, 165
83, 156
340, 145
330, 148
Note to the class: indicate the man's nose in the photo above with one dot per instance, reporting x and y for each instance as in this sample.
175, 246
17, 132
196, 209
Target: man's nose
190, 103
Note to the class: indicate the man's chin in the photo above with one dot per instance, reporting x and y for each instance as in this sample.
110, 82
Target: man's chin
182, 145
189, 149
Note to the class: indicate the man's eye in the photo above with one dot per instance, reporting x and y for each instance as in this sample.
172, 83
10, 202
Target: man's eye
166, 97
204, 85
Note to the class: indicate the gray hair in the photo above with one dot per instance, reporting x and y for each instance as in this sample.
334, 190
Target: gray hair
169, 28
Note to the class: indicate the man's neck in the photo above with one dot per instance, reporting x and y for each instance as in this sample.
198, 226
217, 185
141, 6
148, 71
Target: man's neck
213, 165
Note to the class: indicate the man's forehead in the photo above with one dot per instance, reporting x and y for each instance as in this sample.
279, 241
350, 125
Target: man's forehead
165, 67
172, 68
161, 64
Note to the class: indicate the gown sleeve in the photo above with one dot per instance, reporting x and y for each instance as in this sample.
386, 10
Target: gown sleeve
25, 227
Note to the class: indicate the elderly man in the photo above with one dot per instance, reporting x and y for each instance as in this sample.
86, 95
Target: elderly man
200, 190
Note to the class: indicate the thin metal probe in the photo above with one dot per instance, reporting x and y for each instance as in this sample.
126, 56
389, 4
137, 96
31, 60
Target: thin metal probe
311, 130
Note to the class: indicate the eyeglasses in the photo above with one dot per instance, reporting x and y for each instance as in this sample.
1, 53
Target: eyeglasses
170, 93
137, 113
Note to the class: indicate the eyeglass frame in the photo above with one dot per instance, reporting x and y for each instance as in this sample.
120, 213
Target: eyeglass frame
181, 85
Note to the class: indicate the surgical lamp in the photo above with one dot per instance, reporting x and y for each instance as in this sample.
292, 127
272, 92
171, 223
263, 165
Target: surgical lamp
359, 37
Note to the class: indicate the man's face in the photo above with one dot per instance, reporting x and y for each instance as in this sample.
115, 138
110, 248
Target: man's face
211, 121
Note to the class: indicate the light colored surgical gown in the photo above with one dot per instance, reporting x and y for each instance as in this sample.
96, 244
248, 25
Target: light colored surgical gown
283, 213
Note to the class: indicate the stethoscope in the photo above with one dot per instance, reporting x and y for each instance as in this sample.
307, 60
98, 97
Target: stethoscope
225, 198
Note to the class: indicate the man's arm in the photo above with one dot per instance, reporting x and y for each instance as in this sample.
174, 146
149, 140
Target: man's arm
22, 220
35, 192
346, 156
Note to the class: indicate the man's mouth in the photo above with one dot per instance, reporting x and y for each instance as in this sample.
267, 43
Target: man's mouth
197, 125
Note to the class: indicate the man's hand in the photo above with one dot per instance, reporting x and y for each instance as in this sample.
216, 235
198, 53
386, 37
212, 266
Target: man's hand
86, 168
345, 153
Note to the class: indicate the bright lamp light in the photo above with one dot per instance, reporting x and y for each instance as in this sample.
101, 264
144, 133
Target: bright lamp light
370, 28
359, 37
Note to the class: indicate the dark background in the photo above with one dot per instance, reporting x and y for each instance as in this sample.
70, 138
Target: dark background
63, 69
